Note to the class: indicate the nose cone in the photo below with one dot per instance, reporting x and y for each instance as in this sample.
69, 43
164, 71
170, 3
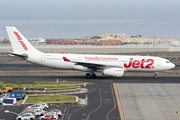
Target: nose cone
171, 66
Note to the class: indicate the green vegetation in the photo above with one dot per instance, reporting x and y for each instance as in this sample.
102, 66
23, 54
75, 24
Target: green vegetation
126, 43
54, 87
140, 36
95, 37
60, 89
49, 99
49, 85
39, 83
134, 36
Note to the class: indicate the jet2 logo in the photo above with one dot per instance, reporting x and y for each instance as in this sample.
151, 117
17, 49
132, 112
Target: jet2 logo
21, 42
139, 64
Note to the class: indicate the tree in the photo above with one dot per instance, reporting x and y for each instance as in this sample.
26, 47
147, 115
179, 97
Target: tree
139, 36
133, 36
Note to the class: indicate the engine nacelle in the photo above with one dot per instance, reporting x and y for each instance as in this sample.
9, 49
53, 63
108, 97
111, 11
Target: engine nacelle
116, 72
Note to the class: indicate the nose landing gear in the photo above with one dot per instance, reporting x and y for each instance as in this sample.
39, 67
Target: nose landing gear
155, 76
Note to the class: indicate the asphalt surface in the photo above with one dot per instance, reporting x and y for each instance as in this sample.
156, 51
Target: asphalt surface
99, 79
14, 110
22, 67
101, 105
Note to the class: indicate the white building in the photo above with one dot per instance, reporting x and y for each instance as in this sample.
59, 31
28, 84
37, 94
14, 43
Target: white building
37, 41
1, 39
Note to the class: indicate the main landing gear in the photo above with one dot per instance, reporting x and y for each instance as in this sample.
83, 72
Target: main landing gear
155, 76
90, 75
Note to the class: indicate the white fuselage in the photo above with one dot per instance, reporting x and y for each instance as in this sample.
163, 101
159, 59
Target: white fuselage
127, 62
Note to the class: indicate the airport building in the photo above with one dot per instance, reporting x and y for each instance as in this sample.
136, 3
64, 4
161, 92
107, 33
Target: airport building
82, 42
38, 41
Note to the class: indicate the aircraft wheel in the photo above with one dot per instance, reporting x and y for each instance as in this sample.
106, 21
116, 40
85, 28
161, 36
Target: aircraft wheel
155, 77
94, 76
88, 76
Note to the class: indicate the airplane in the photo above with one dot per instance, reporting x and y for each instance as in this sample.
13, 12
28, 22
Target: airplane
109, 65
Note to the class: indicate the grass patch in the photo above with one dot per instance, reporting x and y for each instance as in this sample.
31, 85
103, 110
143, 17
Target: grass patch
38, 84
49, 99
19, 83
48, 87
59, 89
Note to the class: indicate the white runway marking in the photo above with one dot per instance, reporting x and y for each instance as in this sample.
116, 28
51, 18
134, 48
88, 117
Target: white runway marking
1, 108
74, 112
114, 104
96, 108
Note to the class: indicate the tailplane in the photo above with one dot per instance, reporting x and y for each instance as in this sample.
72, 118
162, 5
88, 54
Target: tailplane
19, 43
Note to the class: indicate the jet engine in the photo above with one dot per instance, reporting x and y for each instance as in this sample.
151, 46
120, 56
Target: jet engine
116, 72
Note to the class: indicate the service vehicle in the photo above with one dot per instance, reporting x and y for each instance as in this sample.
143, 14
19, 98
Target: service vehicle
38, 112
4, 95
3, 90
29, 109
32, 112
45, 105
42, 106
27, 116
59, 113
34, 106
49, 117
17, 95
53, 114
8, 101
9, 88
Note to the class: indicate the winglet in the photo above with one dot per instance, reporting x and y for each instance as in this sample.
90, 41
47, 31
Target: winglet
65, 59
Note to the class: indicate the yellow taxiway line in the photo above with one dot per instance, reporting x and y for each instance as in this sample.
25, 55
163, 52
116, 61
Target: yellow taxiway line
118, 104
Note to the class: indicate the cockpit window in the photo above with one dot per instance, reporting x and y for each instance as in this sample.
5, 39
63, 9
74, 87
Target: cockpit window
168, 62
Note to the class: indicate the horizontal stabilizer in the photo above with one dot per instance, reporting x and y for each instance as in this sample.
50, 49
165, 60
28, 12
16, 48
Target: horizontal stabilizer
24, 56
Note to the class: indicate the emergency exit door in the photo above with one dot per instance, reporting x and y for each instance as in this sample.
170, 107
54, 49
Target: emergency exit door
43, 58
158, 62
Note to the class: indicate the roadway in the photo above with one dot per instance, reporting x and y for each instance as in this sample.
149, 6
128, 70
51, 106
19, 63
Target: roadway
99, 79
22, 67
102, 104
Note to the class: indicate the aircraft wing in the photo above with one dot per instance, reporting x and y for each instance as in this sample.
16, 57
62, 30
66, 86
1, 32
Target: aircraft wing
91, 65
